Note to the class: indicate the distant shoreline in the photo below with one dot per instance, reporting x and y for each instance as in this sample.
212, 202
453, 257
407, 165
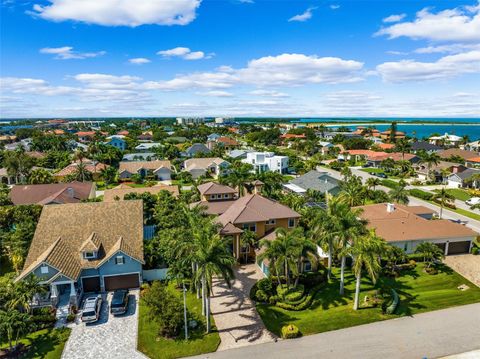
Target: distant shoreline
329, 124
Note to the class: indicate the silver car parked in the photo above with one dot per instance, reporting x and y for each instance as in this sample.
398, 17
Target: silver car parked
91, 309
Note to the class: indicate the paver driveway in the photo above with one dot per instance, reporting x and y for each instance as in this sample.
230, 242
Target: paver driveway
110, 337
235, 315
467, 265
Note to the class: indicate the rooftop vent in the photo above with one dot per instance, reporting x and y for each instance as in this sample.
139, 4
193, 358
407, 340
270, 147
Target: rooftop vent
390, 207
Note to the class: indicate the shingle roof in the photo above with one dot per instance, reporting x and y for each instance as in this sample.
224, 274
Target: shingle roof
64, 229
424, 145
457, 152
135, 166
72, 192
202, 163
214, 207
319, 181
255, 208
90, 166
214, 188
227, 141
197, 148
404, 224
111, 195
469, 172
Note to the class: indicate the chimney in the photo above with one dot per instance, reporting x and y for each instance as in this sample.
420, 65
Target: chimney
70, 192
390, 207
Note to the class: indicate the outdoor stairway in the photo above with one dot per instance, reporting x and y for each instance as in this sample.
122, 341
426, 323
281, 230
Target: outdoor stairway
62, 312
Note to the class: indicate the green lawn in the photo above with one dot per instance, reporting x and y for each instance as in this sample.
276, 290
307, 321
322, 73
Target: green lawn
458, 193
154, 346
45, 344
419, 292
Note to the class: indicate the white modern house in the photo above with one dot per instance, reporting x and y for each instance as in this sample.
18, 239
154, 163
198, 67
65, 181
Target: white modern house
446, 139
267, 161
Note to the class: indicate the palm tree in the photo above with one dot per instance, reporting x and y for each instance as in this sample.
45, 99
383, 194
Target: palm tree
444, 198
283, 251
352, 191
430, 252
81, 173
346, 172
403, 146
40, 176
247, 240
24, 291
399, 194
388, 164
323, 232
307, 250
109, 174
373, 182
366, 251
429, 159
13, 325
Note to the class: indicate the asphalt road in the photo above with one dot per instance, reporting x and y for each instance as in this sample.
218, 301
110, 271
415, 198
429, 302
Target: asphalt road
428, 335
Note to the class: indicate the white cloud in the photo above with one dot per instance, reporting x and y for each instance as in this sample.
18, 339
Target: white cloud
105, 81
394, 18
445, 67
281, 70
268, 93
216, 93
306, 15
67, 53
139, 61
451, 49
334, 7
184, 53
18, 85
120, 12
391, 52
458, 24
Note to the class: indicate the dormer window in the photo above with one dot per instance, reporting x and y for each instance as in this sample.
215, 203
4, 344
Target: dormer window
119, 260
44, 269
90, 255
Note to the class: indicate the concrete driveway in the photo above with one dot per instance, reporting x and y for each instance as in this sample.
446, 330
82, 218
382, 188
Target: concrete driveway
236, 318
110, 337
467, 265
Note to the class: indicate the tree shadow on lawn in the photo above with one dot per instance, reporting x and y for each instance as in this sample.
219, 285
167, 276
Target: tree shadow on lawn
275, 318
43, 344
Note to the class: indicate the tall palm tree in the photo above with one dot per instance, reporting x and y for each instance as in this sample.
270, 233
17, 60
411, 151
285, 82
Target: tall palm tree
14, 324
366, 251
307, 251
444, 198
352, 191
373, 182
324, 231
403, 146
388, 164
429, 159
247, 240
399, 194
40, 176
430, 252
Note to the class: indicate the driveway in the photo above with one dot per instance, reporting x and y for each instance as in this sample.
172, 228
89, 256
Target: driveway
236, 318
110, 337
427, 335
467, 265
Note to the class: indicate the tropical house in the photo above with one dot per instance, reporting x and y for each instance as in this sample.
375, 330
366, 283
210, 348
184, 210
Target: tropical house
93, 167
159, 170
313, 180
118, 193
86, 247
195, 150
53, 193
215, 198
267, 161
212, 166
147, 146
446, 140
469, 178
117, 141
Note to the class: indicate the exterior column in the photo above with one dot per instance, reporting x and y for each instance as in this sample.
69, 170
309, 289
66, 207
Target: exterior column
446, 248
237, 255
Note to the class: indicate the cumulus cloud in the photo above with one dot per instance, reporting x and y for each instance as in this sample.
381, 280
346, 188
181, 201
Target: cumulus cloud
268, 93
394, 18
306, 15
119, 12
184, 53
139, 61
458, 24
451, 48
334, 7
445, 67
281, 70
67, 53
214, 93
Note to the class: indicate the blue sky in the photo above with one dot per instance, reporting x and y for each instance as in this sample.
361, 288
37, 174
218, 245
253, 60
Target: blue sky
93, 58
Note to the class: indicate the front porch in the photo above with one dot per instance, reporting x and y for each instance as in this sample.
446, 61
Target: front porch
65, 293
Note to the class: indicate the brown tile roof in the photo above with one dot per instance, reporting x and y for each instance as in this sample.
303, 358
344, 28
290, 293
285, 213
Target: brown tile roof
202, 163
135, 166
255, 208
90, 166
230, 229
466, 155
228, 141
404, 224
119, 192
214, 207
214, 188
36, 154
58, 193
63, 230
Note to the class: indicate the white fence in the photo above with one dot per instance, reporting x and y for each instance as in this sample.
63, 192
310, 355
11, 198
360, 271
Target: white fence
155, 274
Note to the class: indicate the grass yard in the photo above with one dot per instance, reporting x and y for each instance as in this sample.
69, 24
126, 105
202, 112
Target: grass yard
419, 292
45, 344
459, 194
158, 347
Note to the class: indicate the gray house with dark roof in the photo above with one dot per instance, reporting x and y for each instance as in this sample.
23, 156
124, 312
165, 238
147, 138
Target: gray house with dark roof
195, 149
464, 179
313, 180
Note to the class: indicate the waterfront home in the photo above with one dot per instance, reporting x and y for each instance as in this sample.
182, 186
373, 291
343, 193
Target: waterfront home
86, 247
446, 140
472, 146
408, 226
267, 161
53, 193
211, 166
313, 180
118, 193
424, 146
225, 142
159, 170
387, 135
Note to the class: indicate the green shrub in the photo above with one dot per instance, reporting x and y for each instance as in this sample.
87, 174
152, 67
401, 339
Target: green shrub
311, 279
282, 290
261, 296
290, 331
273, 299
295, 294
421, 194
431, 270
266, 285
70, 318
475, 251
389, 183
305, 301
417, 257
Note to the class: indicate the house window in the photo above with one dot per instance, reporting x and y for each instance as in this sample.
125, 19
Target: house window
271, 221
119, 260
213, 196
225, 196
291, 222
307, 267
89, 255
44, 269
250, 226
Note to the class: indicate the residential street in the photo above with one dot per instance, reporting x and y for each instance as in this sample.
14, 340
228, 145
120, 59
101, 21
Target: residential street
428, 335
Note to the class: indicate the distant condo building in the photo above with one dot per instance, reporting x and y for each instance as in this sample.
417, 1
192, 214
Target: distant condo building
185, 121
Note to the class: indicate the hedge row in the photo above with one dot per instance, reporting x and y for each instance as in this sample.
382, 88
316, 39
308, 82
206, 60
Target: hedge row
305, 303
421, 194
389, 183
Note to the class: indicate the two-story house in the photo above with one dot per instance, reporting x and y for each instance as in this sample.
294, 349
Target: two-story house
267, 161
86, 247
117, 141
215, 198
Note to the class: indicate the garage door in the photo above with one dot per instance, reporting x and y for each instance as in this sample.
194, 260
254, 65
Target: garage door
122, 281
441, 246
458, 247
91, 284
